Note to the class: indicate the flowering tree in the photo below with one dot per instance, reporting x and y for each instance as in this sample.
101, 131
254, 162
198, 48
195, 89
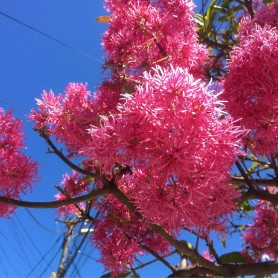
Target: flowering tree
180, 136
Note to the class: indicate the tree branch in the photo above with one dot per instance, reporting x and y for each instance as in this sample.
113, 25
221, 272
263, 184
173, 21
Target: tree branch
245, 176
158, 257
265, 268
153, 261
193, 272
182, 246
44, 134
187, 249
260, 194
55, 204
254, 182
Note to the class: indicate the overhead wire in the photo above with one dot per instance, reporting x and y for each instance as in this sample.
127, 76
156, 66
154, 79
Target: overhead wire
47, 267
15, 233
76, 251
39, 224
31, 240
50, 37
10, 263
46, 253
14, 248
81, 260
83, 257
19, 243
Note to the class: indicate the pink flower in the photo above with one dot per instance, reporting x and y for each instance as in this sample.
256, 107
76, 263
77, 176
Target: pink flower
73, 186
119, 234
171, 135
69, 210
261, 237
207, 255
17, 171
67, 117
251, 84
142, 34
265, 15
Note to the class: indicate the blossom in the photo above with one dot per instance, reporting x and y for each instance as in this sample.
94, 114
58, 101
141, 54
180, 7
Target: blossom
261, 237
251, 84
70, 209
73, 186
266, 15
120, 236
207, 255
171, 133
17, 171
67, 117
142, 34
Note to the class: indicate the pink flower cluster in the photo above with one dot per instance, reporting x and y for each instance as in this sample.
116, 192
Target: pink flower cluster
120, 236
261, 237
73, 186
251, 84
67, 117
145, 33
155, 117
172, 134
17, 171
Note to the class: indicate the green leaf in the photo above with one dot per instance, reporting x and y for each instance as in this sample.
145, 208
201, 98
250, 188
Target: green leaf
135, 276
208, 14
239, 8
60, 189
107, 275
233, 257
199, 19
235, 27
226, 3
224, 18
218, 9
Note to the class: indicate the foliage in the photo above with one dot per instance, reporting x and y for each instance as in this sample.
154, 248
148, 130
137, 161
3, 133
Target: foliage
187, 99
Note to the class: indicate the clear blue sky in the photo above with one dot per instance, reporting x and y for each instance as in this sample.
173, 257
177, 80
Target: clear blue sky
30, 63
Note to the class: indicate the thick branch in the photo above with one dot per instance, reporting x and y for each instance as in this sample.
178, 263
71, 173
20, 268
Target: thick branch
255, 182
258, 269
182, 246
193, 272
265, 268
55, 204
260, 194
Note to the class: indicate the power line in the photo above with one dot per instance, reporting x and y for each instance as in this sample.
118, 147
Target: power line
53, 258
50, 37
31, 240
39, 224
77, 248
10, 263
14, 105
14, 247
47, 252
19, 244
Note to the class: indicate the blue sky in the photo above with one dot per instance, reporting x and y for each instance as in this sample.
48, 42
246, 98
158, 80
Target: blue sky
30, 63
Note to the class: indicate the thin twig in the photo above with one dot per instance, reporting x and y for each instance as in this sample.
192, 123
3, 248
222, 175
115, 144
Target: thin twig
44, 134
160, 258
242, 172
212, 250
